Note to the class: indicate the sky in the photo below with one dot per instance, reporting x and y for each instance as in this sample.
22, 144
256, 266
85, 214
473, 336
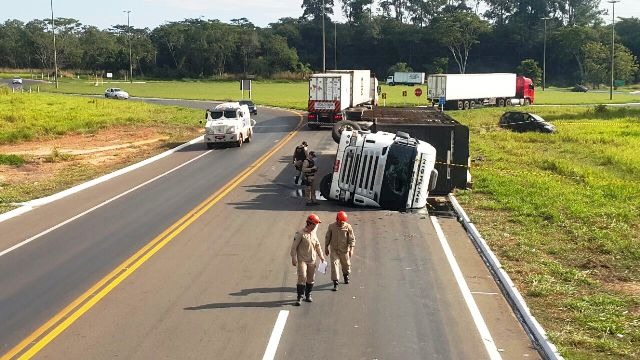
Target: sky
151, 13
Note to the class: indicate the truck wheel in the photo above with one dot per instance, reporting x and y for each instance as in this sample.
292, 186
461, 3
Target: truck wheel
240, 141
466, 104
460, 105
340, 126
472, 104
249, 136
501, 102
325, 186
527, 102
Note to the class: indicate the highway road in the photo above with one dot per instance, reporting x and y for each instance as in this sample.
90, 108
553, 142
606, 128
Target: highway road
195, 264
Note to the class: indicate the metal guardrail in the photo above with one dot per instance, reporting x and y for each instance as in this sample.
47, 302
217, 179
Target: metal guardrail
538, 335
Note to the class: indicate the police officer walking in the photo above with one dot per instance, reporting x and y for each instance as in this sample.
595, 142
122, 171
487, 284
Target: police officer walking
339, 242
303, 255
309, 170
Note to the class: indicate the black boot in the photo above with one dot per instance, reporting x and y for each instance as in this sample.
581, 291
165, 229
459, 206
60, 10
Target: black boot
300, 289
335, 285
346, 277
307, 292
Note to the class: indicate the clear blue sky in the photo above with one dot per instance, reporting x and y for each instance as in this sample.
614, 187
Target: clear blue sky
151, 13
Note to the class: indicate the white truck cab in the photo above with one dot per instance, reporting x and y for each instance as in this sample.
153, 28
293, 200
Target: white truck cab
226, 123
392, 171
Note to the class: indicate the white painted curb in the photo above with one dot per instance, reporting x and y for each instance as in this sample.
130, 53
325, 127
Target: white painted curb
30, 205
540, 338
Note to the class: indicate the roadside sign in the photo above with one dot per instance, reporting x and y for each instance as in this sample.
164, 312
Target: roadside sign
245, 84
404, 93
384, 96
418, 92
109, 75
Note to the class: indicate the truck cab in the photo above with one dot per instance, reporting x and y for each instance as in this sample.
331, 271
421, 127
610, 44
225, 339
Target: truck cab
525, 90
392, 171
228, 123
390, 80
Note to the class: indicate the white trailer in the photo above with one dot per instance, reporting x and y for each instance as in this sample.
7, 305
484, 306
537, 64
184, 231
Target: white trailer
360, 86
406, 78
463, 91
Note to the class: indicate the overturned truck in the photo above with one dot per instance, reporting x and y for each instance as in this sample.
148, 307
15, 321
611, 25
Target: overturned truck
395, 157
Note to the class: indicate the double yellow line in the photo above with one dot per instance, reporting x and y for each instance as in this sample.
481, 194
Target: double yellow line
31, 345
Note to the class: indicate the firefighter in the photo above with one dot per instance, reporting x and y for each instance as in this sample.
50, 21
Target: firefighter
309, 170
303, 255
299, 154
339, 242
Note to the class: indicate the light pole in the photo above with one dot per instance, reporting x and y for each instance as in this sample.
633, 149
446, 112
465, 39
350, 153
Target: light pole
324, 68
544, 55
129, 38
613, 43
335, 46
55, 52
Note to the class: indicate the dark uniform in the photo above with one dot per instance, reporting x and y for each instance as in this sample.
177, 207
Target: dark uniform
309, 170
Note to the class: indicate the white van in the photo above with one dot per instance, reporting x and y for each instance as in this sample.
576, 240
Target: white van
391, 171
228, 123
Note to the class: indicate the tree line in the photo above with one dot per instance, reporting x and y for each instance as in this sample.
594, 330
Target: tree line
432, 36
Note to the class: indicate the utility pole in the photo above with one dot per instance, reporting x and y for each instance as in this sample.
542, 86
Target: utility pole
544, 55
335, 46
129, 38
55, 52
613, 43
324, 67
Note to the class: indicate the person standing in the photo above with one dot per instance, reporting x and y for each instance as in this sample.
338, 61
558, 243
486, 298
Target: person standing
303, 255
299, 154
309, 170
339, 242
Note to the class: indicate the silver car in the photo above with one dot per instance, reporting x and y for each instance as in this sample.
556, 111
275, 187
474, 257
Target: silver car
116, 93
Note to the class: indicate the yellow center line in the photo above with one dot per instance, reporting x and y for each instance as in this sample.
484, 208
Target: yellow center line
33, 343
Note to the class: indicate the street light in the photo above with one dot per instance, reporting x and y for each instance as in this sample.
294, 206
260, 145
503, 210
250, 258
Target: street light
129, 38
544, 55
324, 68
613, 43
55, 52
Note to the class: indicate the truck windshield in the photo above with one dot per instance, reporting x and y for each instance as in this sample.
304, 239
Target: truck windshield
216, 114
397, 176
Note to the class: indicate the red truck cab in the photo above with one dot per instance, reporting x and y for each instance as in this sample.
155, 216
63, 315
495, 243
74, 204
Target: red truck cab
525, 89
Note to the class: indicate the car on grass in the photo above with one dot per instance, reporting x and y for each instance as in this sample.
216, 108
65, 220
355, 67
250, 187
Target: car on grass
16, 81
252, 107
523, 121
116, 93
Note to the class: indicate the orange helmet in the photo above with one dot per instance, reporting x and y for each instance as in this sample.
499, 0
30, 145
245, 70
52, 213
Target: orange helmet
341, 216
314, 219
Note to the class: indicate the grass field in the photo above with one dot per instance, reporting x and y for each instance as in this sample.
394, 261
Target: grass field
562, 212
294, 94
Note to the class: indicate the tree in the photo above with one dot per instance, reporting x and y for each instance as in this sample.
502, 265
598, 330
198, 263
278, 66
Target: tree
313, 8
596, 63
401, 67
530, 69
356, 10
459, 31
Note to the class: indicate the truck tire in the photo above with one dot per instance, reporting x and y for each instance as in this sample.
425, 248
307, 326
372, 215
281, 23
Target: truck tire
466, 104
325, 186
472, 104
249, 136
341, 126
527, 102
240, 141
460, 105
502, 102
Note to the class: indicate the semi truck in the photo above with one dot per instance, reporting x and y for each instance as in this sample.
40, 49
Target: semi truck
405, 78
466, 91
333, 93
449, 138
392, 171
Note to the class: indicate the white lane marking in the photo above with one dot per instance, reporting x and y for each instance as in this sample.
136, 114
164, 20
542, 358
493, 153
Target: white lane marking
489, 345
274, 340
483, 293
29, 205
25, 242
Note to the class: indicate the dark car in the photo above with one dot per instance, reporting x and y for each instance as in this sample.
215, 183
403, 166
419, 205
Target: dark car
252, 107
580, 88
523, 121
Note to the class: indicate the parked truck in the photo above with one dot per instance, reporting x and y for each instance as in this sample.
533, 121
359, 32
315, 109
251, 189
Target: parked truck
466, 91
405, 78
333, 93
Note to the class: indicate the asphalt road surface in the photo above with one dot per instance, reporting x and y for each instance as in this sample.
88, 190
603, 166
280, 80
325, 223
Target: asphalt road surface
195, 265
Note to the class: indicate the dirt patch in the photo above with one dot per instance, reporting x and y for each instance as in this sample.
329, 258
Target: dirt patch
106, 149
629, 288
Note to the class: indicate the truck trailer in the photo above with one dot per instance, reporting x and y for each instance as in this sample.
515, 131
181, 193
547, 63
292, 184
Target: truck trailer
333, 93
466, 91
406, 78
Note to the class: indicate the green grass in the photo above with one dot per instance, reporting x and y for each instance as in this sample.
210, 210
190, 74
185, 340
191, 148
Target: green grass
556, 96
11, 160
562, 212
36, 116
